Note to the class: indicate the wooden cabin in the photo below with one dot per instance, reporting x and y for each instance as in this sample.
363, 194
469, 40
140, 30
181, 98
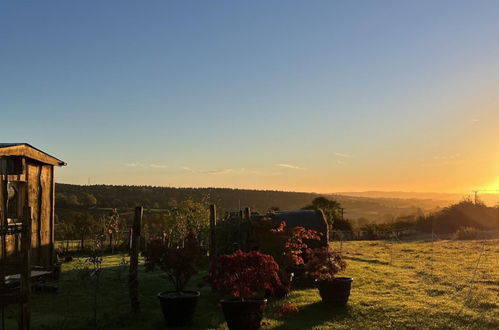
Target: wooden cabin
27, 179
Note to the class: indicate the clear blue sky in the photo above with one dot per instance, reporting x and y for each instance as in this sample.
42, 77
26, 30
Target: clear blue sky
297, 95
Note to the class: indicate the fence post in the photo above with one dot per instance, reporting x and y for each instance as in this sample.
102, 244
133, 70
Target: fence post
25, 294
213, 233
247, 214
3, 225
237, 244
133, 281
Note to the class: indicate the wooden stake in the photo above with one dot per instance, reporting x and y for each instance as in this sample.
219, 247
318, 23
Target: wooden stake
133, 281
213, 233
247, 214
3, 227
25, 311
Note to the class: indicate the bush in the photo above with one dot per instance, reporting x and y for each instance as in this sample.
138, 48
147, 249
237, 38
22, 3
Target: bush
465, 233
179, 264
245, 275
325, 264
289, 246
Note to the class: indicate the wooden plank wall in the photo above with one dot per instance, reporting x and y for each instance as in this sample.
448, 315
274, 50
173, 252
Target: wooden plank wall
46, 214
33, 175
38, 194
2, 218
40, 197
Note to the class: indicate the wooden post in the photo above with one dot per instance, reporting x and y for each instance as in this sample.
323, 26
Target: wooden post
213, 233
237, 246
133, 281
247, 214
3, 226
244, 231
25, 294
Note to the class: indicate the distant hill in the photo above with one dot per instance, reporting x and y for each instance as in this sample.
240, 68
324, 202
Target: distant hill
488, 198
374, 209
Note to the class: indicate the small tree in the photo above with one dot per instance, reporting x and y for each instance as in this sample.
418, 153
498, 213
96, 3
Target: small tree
325, 264
88, 199
331, 208
185, 217
179, 264
245, 275
111, 223
84, 225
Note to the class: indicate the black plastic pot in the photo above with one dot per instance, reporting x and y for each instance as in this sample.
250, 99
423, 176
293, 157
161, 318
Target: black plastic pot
178, 309
335, 292
243, 315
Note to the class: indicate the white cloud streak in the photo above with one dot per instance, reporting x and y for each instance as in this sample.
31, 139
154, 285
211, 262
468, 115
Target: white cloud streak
290, 166
343, 155
139, 165
158, 166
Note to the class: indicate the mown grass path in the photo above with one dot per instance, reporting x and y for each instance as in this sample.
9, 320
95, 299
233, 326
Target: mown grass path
399, 285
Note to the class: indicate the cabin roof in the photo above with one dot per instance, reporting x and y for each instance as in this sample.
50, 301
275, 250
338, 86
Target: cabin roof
311, 219
27, 150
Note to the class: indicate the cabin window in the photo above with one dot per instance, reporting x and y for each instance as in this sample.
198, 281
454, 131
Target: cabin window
13, 200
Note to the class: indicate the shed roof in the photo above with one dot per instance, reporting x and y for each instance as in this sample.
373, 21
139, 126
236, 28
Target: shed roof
311, 219
27, 150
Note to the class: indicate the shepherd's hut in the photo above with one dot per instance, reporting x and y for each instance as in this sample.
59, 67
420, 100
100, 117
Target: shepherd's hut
27, 179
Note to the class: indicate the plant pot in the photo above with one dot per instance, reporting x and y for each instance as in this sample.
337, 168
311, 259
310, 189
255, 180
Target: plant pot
243, 315
335, 292
178, 309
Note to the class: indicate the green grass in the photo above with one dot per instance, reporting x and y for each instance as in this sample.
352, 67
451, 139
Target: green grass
396, 285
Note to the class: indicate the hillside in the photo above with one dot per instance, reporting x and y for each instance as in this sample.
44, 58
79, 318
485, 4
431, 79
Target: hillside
488, 197
104, 196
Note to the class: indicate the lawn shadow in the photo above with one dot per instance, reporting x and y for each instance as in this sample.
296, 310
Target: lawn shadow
371, 261
314, 315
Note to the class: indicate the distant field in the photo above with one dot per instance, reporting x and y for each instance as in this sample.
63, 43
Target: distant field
396, 285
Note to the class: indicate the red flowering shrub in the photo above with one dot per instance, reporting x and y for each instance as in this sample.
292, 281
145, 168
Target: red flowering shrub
296, 246
178, 263
325, 264
245, 275
288, 246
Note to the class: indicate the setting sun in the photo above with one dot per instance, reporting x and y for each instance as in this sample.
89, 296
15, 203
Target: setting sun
494, 186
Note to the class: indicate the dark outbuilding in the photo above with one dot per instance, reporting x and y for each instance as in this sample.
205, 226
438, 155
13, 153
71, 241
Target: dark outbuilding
27, 179
309, 219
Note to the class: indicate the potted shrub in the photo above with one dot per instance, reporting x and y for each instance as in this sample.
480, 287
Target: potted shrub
179, 265
323, 266
289, 246
243, 279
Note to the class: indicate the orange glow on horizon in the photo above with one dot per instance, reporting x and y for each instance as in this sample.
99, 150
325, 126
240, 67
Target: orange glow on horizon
494, 186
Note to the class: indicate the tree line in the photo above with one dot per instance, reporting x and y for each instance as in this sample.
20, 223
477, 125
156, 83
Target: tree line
359, 209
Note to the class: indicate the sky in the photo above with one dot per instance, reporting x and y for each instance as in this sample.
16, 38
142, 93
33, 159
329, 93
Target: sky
321, 96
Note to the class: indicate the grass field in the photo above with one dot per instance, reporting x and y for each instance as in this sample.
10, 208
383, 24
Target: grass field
419, 285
